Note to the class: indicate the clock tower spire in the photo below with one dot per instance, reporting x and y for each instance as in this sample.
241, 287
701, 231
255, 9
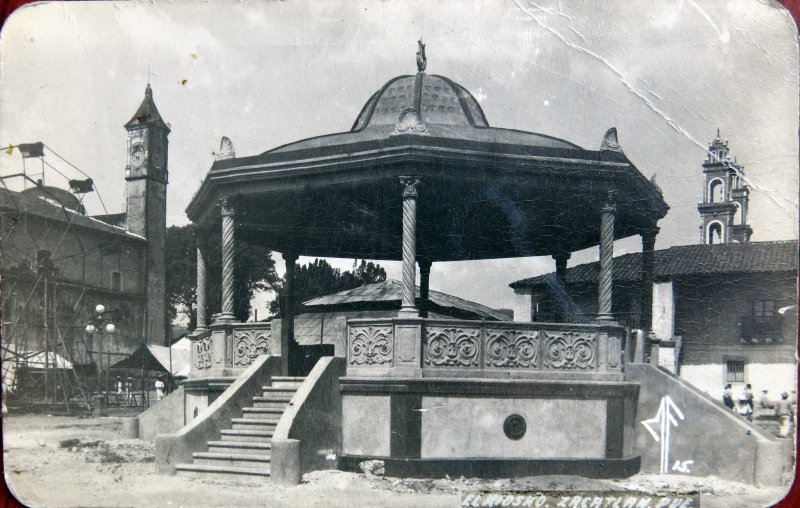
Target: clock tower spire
146, 178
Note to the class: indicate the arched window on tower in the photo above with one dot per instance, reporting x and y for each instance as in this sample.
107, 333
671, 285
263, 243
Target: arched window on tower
737, 215
714, 233
716, 191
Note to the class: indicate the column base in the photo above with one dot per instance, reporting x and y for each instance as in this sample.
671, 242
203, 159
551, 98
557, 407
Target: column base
408, 312
606, 319
225, 318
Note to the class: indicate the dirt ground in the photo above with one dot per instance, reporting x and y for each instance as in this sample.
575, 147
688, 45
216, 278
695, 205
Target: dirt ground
104, 470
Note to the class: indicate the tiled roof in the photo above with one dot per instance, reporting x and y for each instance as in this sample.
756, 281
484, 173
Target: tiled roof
683, 260
33, 204
391, 291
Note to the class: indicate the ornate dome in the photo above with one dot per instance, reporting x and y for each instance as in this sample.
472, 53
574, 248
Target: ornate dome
438, 100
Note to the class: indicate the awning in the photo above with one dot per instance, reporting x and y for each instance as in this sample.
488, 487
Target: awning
156, 358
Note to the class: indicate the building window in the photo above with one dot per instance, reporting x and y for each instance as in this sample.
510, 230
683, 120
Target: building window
763, 311
542, 311
734, 371
715, 233
716, 191
116, 281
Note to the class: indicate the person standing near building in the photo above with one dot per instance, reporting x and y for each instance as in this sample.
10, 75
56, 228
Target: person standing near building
746, 402
129, 391
783, 411
727, 397
159, 388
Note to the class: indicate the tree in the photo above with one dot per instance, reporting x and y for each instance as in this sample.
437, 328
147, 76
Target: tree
319, 278
254, 269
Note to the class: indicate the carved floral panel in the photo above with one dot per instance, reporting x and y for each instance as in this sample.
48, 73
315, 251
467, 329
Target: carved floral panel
249, 345
512, 348
202, 353
370, 345
451, 347
570, 350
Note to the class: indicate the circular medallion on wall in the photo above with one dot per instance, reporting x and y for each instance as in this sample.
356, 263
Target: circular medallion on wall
515, 427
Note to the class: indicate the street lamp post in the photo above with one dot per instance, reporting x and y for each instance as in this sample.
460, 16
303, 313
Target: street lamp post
102, 324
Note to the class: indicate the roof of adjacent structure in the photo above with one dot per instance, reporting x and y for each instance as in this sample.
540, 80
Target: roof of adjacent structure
46, 207
391, 291
685, 260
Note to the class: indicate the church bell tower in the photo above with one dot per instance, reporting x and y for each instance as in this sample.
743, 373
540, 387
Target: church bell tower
725, 198
146, 179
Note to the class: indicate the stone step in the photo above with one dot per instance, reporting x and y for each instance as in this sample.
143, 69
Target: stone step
232, 459
227, 471
258, 436
253, 424
292, 387
221, 387
289, 379
273, 391
262, 412
271, 402
240, 447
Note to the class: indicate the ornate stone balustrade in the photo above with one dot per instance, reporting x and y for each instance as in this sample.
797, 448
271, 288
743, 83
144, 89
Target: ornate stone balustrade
227, 349
450, 348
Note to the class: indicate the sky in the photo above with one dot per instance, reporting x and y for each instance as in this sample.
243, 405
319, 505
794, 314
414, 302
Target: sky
667, 74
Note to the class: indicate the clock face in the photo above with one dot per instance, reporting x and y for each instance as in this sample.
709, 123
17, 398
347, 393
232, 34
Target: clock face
137, 155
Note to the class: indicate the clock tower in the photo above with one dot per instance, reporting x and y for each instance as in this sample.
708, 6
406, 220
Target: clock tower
146, 179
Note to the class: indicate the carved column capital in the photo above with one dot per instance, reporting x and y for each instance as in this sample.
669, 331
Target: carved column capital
649, 237
226, 206
289, 257
610, 204
409, 186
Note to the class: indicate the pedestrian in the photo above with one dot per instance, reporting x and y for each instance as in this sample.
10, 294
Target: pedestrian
129, 390
763, 400
159, 388
727, 397
783, 411
745, 403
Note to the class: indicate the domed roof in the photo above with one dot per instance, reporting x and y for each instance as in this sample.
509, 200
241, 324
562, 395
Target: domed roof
437, 99
428, 107
62, 196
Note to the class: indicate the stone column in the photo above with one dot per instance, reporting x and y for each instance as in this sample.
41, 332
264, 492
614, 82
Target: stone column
605, 283
287, 325
424, 286
201, 290
646, 284
228, 246
561, 278
408, 309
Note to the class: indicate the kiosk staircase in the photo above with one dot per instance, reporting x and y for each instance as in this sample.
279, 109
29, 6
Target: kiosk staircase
244, 450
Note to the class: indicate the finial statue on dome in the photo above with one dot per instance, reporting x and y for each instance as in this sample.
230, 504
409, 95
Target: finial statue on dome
422, 61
